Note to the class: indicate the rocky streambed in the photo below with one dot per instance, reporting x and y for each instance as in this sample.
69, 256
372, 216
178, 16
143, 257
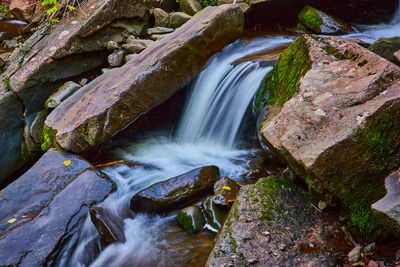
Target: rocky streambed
171, 170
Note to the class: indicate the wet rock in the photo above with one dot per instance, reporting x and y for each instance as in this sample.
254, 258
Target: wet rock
15, 27
386, 47
289, 174
99, 111
389, 206
190, 7
318, 22
355, 254
45, 207
329, 137
159, 30
116, 59
215, 215
177, 19
267, 225
161, 18
111, 46
225, 191
191, 219
109, 225
175, 192
65, 91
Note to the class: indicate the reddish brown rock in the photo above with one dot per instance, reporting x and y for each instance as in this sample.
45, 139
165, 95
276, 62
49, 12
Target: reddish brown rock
23, 9
114, 100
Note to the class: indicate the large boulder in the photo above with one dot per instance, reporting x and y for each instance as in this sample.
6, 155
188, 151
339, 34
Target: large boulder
267, 226
387, 47
332, 117
114, 100
42, 64
43, 208
175, 192
318, 22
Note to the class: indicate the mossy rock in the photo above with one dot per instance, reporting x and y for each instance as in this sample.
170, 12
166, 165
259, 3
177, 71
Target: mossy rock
191, 219
339, 130
386, 47
316, 21
49, 136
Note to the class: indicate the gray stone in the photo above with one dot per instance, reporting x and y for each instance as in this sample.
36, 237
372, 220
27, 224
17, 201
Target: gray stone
190, 7
116, 59
157, 37
65, 91
45, 207
159, 30
177, 19
111, 45
134, 47
36, 130
355, 254
134, 27
161, 18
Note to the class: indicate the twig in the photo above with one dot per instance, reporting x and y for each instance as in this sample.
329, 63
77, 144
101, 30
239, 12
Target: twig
109, 164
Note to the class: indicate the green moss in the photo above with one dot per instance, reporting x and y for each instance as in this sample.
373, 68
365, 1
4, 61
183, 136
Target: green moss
205, 3
49, 136
186, 221
310, 18
281, 83
6, 83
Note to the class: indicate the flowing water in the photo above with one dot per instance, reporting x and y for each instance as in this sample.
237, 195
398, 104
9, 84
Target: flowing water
209, 133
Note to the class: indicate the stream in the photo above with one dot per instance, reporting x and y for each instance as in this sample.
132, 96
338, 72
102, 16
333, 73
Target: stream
210, 132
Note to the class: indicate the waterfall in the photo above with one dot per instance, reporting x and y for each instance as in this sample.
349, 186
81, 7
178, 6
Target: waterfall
221, 95
396, 17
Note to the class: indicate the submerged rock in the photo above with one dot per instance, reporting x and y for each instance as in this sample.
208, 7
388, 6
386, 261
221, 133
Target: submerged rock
109, 226
225, 191
267, 226
99, 111
43, 208
175, 192
387, 47
318, 22
191, 219
65, 91
331, 117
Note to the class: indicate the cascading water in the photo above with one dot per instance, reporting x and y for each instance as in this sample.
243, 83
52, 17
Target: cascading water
207, 135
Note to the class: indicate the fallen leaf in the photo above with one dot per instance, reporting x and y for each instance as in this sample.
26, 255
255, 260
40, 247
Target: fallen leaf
67, 162
226, 187
13, 220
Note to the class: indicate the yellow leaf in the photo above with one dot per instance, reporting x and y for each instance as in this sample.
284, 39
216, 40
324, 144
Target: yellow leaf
226, 187
13, 220
70, 7
67, 162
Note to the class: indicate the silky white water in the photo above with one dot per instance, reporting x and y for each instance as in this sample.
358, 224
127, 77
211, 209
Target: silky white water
208, 134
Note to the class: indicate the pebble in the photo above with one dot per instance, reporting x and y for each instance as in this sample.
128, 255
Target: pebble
355, 254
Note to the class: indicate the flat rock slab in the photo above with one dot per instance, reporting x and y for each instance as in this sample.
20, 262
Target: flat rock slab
336, 125
175, 192
267, 226
43, 208
114, 100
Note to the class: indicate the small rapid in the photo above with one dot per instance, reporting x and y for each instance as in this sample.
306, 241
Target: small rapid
208, 134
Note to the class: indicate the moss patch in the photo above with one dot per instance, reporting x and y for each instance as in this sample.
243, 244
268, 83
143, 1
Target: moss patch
186, 221
281, 83
310, 19
49, 135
